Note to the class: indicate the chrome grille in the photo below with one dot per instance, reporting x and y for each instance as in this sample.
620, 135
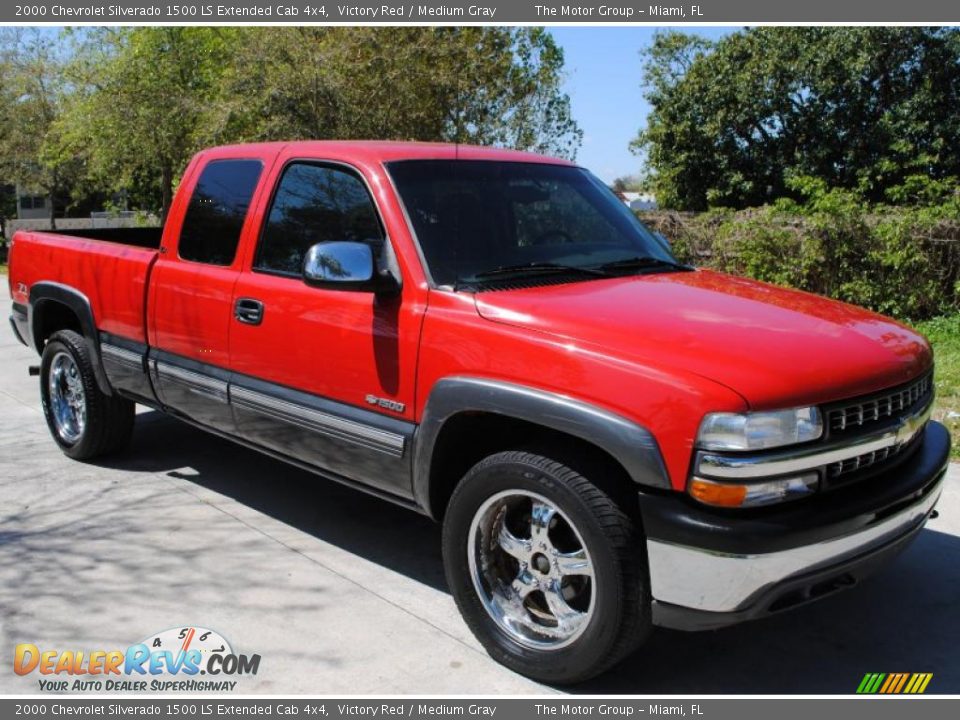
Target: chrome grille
865, 412
861, 462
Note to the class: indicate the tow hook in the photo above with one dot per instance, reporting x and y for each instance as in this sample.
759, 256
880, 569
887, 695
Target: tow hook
33, 370
934, 514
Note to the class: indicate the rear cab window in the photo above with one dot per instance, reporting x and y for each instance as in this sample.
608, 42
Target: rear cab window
217, 210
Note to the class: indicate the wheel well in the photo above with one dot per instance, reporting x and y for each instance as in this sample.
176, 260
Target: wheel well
50, 316
468, 437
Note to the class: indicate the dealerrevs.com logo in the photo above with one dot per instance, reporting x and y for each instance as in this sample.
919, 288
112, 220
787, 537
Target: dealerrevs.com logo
169, 661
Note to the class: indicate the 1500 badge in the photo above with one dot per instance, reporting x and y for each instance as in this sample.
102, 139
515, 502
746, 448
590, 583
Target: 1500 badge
385, 403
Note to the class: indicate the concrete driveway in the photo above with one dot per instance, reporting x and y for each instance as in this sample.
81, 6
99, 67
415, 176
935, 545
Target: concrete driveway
342, 593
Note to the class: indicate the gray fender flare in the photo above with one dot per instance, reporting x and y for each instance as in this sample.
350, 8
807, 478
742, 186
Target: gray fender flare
41, 294
633, 446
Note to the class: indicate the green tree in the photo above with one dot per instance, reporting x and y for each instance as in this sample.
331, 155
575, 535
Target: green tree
7, 197
32, 92
875, 110
141, 103
628, 183
486, 85
146, 99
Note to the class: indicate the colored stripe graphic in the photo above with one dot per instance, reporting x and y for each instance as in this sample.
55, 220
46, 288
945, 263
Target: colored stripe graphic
873, 683
903, 681
894, 683
868, 682
891, 680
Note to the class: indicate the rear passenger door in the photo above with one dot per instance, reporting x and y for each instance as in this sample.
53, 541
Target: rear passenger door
191, 292
324, 375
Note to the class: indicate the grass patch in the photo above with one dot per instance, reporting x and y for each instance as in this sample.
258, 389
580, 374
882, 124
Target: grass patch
944, 335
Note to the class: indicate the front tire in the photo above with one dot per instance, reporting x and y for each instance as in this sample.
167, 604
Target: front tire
85, 422
548, 572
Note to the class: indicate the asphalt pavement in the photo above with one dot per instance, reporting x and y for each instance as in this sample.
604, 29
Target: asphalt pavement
342, 593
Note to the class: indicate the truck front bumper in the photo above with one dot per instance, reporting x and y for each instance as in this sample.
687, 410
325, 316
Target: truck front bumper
710, 568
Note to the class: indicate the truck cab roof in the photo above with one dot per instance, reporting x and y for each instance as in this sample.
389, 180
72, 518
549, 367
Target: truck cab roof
383, 151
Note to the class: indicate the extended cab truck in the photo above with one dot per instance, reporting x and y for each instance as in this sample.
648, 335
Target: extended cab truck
611, 439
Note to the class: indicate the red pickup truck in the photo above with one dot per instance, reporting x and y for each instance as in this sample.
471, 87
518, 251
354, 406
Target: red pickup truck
612, 440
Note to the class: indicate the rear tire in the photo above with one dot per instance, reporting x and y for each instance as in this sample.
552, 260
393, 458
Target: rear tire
85, 422
548, 572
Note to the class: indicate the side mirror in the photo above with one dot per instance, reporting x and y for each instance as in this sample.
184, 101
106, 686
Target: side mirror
345, 266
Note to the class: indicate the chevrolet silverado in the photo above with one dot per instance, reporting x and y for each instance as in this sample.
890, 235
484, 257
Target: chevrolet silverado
612, 440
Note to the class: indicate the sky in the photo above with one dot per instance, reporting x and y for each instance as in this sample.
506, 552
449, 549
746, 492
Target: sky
603, 75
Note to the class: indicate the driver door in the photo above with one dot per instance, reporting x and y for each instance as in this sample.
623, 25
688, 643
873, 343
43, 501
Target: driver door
325, 376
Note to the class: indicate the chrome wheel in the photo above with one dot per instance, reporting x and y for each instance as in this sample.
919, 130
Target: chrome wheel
67, 398
531, 569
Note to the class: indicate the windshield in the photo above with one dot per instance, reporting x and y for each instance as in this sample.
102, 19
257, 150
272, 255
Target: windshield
477, 220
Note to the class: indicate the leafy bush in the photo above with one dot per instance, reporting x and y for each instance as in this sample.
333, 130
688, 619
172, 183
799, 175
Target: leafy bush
900, 261
944, 334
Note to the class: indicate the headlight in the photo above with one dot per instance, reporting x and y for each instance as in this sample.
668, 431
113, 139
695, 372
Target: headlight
759, 430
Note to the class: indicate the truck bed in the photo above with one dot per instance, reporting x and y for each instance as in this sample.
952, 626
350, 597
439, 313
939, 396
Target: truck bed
143, 237
111, 270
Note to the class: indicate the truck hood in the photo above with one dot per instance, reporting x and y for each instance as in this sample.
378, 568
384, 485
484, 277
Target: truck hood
775, 347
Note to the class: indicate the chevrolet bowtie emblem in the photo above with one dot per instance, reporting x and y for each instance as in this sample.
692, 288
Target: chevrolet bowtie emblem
910, 426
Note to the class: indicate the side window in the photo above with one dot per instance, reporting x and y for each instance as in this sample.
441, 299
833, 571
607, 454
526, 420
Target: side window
315, 203
211, 227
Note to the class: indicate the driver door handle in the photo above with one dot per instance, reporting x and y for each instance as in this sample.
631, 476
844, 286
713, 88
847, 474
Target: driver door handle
248, 310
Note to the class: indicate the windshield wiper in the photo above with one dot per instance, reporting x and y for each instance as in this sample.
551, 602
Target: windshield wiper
640, 262
538, 268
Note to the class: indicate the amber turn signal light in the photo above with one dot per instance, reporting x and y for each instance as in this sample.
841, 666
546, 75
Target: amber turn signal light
719, 494
764, 492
